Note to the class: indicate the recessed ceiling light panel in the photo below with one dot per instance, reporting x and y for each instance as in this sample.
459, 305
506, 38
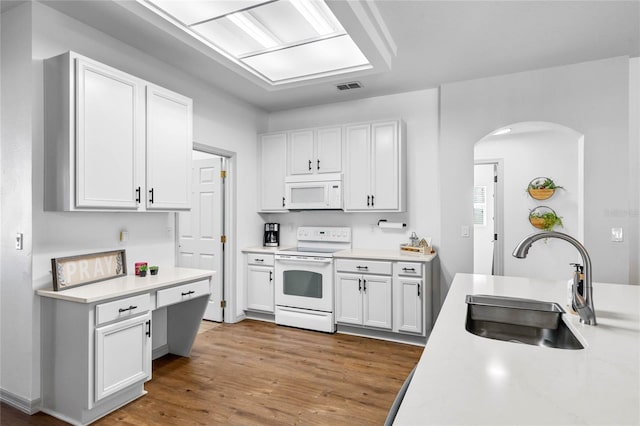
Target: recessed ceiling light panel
280, 41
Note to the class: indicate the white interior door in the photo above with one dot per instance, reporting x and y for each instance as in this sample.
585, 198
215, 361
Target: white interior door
486, 235
200, 230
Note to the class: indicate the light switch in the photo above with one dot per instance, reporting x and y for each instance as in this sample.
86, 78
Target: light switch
19, 241
464, 231
617, 235
124, 236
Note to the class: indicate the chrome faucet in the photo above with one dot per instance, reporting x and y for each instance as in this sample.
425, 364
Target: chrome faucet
583, 304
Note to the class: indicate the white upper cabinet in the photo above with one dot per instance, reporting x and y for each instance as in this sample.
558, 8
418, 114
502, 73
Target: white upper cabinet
110, 127
375, 176
169, 147
102, 135
313, 151
272, 152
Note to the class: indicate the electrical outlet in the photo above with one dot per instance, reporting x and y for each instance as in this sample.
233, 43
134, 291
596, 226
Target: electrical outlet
19, 239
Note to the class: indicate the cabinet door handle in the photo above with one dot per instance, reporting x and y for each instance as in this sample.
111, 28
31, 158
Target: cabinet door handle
418, 290
138, 195
372, 201
360, 284
130, 308
409, 269
188, 293
151, 193
318, 164
364, 285
282, 201
310, 164
368, 200
148, 333
270, 276
366, 268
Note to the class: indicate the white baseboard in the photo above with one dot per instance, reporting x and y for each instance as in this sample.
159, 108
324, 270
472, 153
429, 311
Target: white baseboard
20, 403
160, 351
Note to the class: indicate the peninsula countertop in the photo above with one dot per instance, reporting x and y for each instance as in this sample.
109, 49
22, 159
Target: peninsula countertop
465, 379
127, 285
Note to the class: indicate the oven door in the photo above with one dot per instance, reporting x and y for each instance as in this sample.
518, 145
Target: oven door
304, 282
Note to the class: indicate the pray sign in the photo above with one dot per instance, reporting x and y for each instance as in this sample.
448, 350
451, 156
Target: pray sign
87, 268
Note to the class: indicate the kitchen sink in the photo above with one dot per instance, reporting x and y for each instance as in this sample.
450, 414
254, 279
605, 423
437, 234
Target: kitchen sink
527, 321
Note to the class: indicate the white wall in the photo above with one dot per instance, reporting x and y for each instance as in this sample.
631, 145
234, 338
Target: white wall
591, 98
548, 153
19, 347
220, 121
419, 110
634, 168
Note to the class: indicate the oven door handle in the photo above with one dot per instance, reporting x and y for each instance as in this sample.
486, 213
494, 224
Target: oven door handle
298, 260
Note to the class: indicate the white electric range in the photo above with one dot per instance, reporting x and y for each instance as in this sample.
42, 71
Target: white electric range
304, 287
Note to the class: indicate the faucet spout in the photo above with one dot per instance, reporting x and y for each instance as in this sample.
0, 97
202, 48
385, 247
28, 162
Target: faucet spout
583, 304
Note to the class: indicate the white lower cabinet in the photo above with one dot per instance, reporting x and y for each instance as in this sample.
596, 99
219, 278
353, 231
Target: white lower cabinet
122, 355
363, 299
260, 282
410, 310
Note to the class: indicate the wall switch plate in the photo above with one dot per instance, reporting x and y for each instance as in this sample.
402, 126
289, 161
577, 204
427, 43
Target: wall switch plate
617, 236
19, 239
124, 236
464, 231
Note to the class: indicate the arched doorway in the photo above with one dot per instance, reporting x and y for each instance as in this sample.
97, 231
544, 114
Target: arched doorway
516, 154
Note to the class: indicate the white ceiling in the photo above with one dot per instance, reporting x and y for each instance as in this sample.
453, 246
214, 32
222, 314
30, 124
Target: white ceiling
436, 42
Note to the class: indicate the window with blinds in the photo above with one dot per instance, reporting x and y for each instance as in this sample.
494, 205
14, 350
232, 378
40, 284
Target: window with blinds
480, 205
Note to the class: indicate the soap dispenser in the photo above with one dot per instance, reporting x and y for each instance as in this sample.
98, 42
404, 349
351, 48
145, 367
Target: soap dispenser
578, 281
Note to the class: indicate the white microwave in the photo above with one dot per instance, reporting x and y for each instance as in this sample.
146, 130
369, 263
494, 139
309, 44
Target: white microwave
314, 192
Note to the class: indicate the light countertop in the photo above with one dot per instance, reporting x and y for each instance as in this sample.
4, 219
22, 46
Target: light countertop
264, 250
127, 285
465, 379
377, 254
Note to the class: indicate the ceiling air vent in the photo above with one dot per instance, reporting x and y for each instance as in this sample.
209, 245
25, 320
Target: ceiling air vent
349, 86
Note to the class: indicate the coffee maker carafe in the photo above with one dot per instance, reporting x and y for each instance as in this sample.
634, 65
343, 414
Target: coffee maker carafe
271, 235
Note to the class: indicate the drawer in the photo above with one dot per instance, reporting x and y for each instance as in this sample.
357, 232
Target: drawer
182, 293
363, 266
123, 308
410, 269
260, 259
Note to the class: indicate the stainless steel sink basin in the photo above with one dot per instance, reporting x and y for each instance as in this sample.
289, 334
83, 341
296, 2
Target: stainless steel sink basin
520, 321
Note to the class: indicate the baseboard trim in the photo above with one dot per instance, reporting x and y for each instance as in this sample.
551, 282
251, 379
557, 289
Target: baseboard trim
160, 351
25, 405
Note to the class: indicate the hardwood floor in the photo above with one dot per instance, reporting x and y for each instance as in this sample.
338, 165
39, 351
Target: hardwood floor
257, 373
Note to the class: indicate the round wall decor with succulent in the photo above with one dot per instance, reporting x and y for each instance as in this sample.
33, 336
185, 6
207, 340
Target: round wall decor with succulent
543, 217
541, 188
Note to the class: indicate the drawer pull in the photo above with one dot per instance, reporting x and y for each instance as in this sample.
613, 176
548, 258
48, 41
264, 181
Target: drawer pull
409, 269
130, 308
188, 293
258, 260
362, 267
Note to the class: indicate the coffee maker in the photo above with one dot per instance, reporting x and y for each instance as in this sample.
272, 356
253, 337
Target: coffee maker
271, 235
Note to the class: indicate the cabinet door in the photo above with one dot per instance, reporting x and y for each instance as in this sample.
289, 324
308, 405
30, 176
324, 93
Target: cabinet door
109, 128
328, 150
357, 194
169, 146
377, 301
122, 355
349, 299
260, 288
385, 173
273, 169
300, 149
411, 295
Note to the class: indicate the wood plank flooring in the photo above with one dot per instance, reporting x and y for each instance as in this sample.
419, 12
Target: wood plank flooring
257, 373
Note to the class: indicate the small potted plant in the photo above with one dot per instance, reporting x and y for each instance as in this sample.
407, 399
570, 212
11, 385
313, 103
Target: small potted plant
544, 218
542, 188
153, 270
143, 270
